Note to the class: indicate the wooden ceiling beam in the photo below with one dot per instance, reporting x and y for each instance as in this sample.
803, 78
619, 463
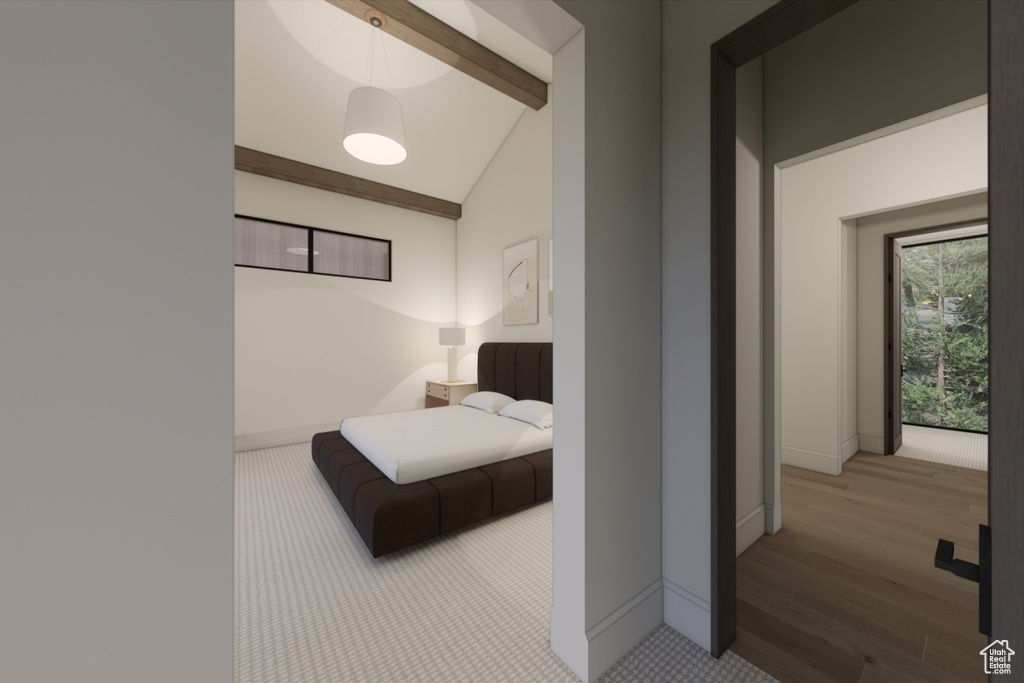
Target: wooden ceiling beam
423, 31
261, 163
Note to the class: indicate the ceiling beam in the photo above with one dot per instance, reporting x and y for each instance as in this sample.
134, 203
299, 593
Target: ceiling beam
423, 31
261, 163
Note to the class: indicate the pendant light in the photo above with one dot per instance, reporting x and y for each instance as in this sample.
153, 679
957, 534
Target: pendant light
374, 131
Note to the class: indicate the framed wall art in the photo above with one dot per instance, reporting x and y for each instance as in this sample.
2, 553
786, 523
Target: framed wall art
519, 279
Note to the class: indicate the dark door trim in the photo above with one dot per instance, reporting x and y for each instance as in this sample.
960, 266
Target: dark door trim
764, 32
889, 331
1006, 326
893, 402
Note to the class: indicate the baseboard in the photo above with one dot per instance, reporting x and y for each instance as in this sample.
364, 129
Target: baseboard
749, 529
774, 513
809, 460
872, 444
851, 447
282, 437
687, 613
616, 635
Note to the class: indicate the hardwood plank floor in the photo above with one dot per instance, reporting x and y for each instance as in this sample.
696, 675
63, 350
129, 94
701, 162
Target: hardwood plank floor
847, 591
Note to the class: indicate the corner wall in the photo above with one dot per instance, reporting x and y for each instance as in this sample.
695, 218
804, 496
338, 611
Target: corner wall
872, 65
510, 203
688, 31
607, 335
871, 232
941, 159
311, 350
750, 491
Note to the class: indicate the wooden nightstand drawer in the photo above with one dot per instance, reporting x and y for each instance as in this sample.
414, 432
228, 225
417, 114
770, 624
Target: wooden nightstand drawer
443, 392
437, 391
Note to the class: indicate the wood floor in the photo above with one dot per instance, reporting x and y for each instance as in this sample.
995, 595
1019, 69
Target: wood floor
848, 590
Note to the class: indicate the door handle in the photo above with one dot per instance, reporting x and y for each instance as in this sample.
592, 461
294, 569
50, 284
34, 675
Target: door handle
963, 569
981, 573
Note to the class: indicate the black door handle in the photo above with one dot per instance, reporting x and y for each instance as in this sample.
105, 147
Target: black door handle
981, 572
944, 560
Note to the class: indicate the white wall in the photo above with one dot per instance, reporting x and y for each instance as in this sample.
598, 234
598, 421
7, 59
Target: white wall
750, 493
311, 350
688, 30
871, 258
115, 407
510, 203
569, 639
936, 160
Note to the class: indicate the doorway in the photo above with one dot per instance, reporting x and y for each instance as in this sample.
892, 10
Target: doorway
1006, 77
936, 331
820, 198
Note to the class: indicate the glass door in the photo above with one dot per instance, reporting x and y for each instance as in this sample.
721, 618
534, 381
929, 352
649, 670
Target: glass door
945, 334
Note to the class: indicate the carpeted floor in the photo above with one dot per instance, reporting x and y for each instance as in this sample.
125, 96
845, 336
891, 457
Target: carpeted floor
665, 656
946, 446
311, 605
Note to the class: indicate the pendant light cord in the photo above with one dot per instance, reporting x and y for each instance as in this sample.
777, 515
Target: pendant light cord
387, 67
369, 58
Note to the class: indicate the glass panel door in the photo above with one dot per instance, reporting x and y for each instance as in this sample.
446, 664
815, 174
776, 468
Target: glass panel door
945, 334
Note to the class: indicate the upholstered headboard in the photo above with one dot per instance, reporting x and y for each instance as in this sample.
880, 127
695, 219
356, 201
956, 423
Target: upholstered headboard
521, 370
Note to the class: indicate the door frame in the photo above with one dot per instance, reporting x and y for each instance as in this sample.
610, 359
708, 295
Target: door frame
889, 408
1006, 329
892, 403
768, 30
771, 28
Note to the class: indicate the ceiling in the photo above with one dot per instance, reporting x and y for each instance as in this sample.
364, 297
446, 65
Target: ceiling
297, 60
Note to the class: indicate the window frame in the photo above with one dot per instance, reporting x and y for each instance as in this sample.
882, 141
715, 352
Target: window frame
310, 230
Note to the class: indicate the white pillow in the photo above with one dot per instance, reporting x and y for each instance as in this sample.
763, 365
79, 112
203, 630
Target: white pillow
537, 413
487, 401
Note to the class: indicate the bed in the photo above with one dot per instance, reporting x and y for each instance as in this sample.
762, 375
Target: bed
389, 516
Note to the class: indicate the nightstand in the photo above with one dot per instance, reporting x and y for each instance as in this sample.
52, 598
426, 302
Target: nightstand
441, 392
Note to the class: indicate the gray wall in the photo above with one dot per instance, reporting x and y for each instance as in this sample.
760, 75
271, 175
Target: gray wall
608, 343
688, 30
750, 493
872, 65
116, 374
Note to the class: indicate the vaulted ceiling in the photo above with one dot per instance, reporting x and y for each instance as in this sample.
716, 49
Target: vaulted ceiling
296, 61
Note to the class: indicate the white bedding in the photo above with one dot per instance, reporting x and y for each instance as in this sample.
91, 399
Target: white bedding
415, 445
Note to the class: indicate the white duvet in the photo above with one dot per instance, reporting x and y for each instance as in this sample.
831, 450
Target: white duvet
415, 445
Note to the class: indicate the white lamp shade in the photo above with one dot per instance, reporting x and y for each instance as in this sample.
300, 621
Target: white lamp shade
374, 131
453, 336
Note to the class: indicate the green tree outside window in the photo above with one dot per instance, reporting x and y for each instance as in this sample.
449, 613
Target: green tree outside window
945, 334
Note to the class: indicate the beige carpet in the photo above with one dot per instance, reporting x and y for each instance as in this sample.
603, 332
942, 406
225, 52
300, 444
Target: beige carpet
946, 446
312, 605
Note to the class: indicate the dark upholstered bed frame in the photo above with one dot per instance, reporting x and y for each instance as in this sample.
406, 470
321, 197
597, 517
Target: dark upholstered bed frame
390, 516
